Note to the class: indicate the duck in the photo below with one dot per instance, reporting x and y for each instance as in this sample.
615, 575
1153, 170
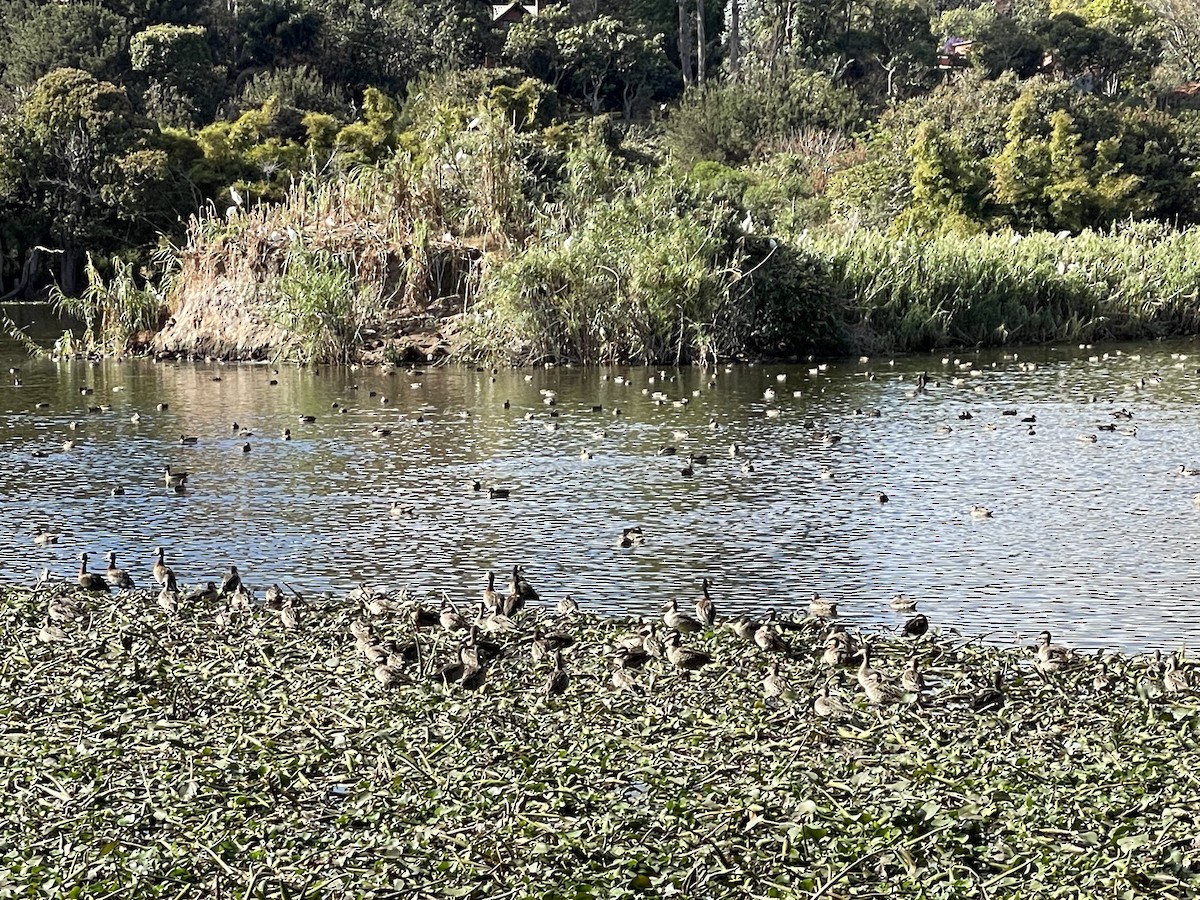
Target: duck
1174, 679
706, 610
912, 680
161, 571
1101, 682
420, 617
1184, 470
495, 493
491, 597
1052, 657
567, 605
117, 577
174, 480
865, 672
390, 676
774, 684
519, 585
451, 619
289, 616
274, 597
980, 512
680, 621
990, 698
231, 582
747, 467
827, 706
43, 536
821, 607
187, 439
767, 639
903, 603
168, 597
744, 627
652, 644
881, 497
879, 691
685, 658
400, 510
631, 537
207, 593
557, 681
688, 470
916, 626
90, 581
490, 621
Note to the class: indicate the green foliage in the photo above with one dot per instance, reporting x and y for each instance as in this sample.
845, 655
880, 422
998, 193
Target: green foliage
321, 306
300, 87
612, 60
913, 294
114, 310
48, 36
648, 277
729, 123
184, 86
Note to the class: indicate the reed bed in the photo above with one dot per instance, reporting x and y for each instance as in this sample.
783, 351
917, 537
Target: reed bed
205, 752
911, 294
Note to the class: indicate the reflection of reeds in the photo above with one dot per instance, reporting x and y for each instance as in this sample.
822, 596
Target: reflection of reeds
21, 336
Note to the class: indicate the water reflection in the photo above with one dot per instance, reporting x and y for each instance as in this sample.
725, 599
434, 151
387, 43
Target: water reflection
1091, 540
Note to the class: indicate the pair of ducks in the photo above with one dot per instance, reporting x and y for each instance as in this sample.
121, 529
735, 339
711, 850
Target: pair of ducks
98, 583
520, 592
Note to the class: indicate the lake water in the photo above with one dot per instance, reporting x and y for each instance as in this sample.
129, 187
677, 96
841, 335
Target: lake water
1095, 541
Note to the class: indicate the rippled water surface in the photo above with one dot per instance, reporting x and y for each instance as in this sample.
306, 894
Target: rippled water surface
1095, 541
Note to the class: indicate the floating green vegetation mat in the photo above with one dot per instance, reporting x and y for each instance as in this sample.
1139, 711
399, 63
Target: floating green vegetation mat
208, 753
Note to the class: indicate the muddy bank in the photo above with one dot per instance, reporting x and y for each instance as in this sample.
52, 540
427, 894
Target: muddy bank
298, 283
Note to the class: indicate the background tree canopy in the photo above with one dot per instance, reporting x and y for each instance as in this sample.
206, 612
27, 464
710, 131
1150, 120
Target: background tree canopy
122, 119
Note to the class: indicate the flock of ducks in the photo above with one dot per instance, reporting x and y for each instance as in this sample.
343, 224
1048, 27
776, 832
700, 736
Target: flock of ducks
177, 481
510, 618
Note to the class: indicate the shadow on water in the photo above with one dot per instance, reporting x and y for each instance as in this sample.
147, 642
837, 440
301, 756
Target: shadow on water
1091, 539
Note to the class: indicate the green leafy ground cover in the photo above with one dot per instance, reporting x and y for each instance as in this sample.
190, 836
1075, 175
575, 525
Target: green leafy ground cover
146, 753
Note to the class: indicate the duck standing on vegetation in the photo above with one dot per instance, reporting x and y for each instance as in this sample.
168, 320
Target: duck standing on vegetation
90, 581
118, 578
685, 658
1052, 657
231, 582
520, 592
161, 570
567, 606
706, 610
168, 597
680, 621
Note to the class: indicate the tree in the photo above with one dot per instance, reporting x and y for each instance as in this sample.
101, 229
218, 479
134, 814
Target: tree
178, 62
1180, 29
78, 35
607, 56
533, 44
86, 170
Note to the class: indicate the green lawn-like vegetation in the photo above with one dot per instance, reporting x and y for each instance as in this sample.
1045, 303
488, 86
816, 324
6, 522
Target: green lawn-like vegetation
203, 752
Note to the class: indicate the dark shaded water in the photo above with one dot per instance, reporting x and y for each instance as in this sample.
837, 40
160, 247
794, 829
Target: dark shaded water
1095, 541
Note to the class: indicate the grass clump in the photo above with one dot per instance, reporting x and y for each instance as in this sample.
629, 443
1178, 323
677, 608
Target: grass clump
206, 750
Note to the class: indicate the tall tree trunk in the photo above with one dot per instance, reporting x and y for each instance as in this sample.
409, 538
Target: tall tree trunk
701, 44
685, 43
735, 41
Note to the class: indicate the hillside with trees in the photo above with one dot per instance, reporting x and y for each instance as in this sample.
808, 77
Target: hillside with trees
645, 180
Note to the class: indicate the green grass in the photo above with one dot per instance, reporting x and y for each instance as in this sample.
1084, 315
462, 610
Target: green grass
152, 754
